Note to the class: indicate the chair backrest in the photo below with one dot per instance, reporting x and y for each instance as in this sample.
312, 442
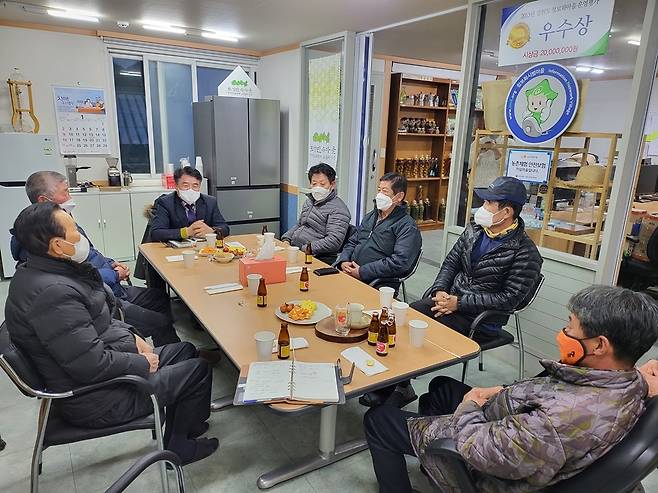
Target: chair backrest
532, 295
625, 465
351, 230
416, 264
17, 366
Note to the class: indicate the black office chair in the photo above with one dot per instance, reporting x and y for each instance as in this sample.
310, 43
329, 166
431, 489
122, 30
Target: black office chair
504, 337
397, 283
618, 471
637, 275
145, 462
52, 429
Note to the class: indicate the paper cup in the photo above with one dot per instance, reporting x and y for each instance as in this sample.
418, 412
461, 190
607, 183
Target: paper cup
264, 341
269, 235
292, 254
188, 258
355, 312
252, 282
260, 239
400, 309
417, 331
211, 240
386, 296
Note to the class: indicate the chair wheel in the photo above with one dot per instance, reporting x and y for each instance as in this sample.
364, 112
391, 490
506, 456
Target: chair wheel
3, 444
40, 468
480, 366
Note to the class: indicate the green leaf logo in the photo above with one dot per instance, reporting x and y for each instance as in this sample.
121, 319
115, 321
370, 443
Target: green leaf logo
321, 137
236, 82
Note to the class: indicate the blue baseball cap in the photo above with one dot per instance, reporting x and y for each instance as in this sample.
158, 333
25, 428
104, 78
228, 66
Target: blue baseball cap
504, 188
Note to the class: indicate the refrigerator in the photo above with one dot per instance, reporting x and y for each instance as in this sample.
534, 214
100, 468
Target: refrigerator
239, 142
22, 154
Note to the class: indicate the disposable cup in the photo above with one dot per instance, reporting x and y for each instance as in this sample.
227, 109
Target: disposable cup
417, 331
188, 258
211, 240
292, 254
386, 296
252, 282
400, 309
355, 312
264, 342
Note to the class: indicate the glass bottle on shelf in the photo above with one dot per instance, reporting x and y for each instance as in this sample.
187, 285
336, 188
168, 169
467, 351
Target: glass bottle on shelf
421, 210
414, 210
442, 210
428, 209
416, 171
403, 96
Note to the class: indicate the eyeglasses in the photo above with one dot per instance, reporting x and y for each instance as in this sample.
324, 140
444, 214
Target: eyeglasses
187, 186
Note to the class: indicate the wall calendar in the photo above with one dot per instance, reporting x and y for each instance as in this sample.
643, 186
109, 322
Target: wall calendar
82, 125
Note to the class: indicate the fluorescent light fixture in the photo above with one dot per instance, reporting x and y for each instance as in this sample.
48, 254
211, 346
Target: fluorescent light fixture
233, 38
130, 73
73, 14
597, 71
634, 42
165, 28
582, 68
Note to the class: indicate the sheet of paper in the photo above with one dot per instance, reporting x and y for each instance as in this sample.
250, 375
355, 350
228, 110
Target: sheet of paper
221, 286
315, 382
225, 289
268, 380
174, 258
235, 244
293, 270
360, 358
295, 343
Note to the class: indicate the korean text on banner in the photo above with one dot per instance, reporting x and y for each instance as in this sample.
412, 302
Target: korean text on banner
553, 30
238, 85
529, 165
323, 109
81, 117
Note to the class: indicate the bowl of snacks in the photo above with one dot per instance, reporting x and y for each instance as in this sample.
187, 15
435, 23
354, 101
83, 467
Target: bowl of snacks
238, 252
223, 257
208, 251
303, 312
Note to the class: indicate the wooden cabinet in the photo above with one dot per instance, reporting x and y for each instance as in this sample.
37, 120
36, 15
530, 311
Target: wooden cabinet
421, 122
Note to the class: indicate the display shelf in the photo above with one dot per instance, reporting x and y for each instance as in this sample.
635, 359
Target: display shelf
411, 134
429, 225
583, 188
428, 178
588, 239
418, 107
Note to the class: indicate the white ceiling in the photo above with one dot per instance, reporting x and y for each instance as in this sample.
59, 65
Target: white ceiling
441, 39
265, 24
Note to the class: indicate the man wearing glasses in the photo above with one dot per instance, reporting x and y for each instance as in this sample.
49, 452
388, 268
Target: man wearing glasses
186, 213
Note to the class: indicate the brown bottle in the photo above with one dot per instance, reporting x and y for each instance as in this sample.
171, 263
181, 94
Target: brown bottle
309, 254
383, 319
303, 280
220, 239
264, 230
261, 295
392, 330
382, 340
373, 330
284, 342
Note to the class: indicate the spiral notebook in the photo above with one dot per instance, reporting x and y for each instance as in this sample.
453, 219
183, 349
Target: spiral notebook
290, 381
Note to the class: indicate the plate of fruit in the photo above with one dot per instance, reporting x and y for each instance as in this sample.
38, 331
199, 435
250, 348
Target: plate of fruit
302, 312
237, 251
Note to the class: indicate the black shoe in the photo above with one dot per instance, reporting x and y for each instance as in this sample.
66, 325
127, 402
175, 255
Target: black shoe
375, 398
211, 356
199, 430
204, 447
401, 397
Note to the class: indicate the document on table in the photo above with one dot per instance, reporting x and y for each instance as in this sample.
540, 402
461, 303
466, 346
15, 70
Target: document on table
223, 288
293, 270
235, 244
360, 358
174, 258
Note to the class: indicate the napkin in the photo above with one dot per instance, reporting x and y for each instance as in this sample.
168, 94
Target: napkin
223, 288
295, 343
359, 357
174, 258
293, 270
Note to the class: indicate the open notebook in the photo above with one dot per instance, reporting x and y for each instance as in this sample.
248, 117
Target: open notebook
291, 381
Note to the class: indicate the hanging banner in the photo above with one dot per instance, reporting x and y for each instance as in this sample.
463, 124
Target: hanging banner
238, 85
529, 165
81, 120
323, 109
554, 30
542, 103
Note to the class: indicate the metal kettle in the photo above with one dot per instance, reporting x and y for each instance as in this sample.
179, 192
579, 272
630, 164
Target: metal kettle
127, 178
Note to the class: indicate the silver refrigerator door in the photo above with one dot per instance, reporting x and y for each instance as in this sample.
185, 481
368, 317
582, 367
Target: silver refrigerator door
231, 142
249, 205
204, 139
264, 142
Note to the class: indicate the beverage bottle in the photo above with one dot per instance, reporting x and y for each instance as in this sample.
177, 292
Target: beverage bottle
303, 280
261, 295
392, 331
383, 318
382, 340
284, 342
373, 330
220, 238
264, 230
309, 254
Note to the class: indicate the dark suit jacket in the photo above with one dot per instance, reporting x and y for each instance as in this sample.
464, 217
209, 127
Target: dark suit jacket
170, 216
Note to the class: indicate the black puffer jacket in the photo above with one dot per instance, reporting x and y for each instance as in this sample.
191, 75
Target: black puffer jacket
59, 314
503, 278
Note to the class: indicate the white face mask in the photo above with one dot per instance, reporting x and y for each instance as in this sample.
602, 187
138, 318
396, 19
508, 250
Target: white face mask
68, 205
81, 250
189, 196
320, 193
485, 218
383, 202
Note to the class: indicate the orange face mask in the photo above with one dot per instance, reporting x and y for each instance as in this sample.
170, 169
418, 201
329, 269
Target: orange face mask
572, 350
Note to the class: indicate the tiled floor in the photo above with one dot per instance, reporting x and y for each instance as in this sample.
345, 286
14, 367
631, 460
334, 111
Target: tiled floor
253, 440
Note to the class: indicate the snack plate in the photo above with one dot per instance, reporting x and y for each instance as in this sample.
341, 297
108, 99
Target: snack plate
323, 311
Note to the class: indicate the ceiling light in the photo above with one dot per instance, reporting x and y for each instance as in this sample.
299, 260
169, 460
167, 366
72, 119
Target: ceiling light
582, 68
130, 73
73, 14
151, 26
597, 70
233, 38
634, 42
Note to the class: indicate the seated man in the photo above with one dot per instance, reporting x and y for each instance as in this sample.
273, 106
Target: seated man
186, 213
58, 312
387, 242
325, 218
540, 431
146, 309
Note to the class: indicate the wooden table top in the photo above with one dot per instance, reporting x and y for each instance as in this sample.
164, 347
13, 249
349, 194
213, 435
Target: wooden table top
233, 318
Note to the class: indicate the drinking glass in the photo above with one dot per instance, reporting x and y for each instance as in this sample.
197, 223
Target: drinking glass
342, 319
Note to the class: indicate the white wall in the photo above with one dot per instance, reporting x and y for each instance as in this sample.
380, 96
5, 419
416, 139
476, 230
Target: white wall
49, 59
279, 77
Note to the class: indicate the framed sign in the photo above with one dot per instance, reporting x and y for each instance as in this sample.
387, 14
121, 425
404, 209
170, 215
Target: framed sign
81, 117
542, 103
529, 165
554, 30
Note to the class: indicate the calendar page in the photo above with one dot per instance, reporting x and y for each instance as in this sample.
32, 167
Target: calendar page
82, 125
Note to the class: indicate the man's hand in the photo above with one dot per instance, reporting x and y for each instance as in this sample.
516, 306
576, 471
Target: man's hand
649, 371
346, 267
153, 360
143, 347
481, 395
352, 269
202, 228
444, 304
122, 270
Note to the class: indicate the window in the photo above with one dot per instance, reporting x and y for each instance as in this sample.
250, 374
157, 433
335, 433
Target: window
207, 80
131, 115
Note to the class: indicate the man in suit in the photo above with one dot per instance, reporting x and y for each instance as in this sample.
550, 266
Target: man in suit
186, 213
